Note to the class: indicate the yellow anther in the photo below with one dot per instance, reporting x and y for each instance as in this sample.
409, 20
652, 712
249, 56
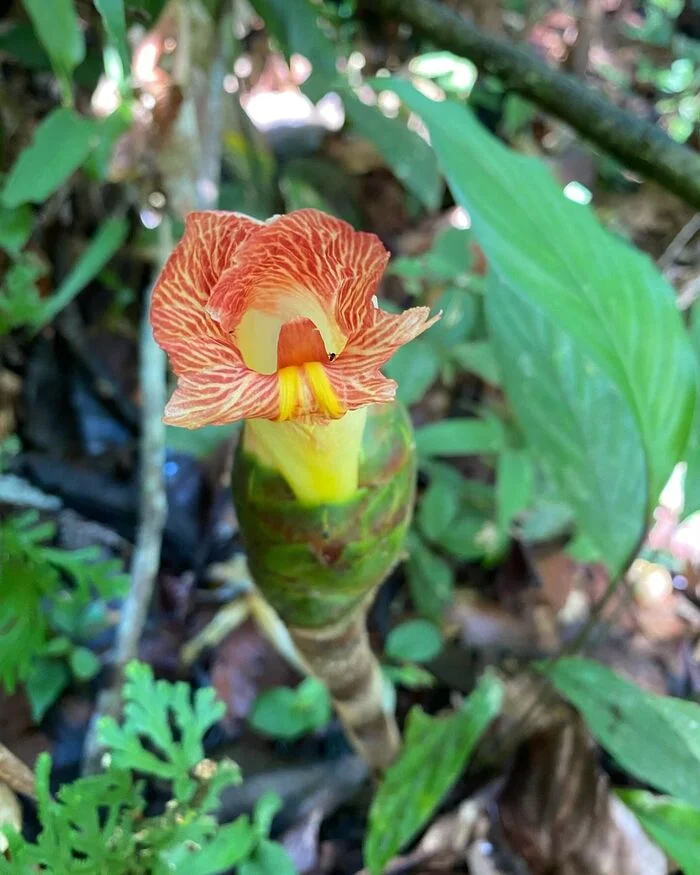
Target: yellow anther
322, 390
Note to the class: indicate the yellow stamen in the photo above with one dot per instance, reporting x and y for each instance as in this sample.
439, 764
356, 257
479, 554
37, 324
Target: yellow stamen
322, 390
289, 383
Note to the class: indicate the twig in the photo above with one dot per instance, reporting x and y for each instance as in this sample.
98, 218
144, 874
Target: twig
679, 242
638, 144
152, 514
15, 773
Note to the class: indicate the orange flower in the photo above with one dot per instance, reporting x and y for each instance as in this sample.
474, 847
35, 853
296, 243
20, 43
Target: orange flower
277, 321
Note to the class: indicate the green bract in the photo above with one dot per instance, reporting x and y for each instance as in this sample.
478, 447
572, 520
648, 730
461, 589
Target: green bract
315, 565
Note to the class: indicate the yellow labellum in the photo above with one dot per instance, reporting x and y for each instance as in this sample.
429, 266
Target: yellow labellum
319, 460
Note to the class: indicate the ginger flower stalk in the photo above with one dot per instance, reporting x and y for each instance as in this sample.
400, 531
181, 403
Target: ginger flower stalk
277, 324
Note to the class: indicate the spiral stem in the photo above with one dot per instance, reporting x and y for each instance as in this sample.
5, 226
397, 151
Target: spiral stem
341, 657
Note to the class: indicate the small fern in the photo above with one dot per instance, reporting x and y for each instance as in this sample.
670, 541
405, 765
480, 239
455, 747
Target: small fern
98, 825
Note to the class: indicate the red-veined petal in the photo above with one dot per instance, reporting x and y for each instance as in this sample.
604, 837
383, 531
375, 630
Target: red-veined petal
180, 323
222, 394
381, 336
304, 265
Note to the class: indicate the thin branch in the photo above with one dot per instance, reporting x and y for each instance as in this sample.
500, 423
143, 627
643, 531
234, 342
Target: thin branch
636, 143
679, 242
153, 510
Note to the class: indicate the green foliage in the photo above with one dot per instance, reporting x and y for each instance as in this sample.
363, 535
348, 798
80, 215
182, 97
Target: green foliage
608, 415
106, 242
152, 709
289, 713
654, 738
514, 485
51, 598
98, 824
58, 29
114, 20
431, 579
435, 753
20, 301
673, 824
42, 167
21, 306
414, 641
298, 27
460, 437
15, 228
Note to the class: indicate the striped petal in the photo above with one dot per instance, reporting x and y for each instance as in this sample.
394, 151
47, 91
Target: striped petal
222, 394
305, 265
180, 323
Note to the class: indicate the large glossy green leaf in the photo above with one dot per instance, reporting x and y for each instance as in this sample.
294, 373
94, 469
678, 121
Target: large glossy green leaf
610, 308
299, 28
673, 824
60, 145
57, 26
576, 419
691, 486
435, 753
654, 738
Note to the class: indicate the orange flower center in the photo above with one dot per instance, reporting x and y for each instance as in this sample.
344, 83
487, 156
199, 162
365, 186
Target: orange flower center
296, 349
301, 342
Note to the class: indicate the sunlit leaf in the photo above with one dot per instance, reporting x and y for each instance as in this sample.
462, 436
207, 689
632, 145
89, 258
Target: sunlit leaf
435, 753
45, 165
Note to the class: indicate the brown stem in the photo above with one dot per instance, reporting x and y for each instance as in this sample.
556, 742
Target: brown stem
341, 657
637, 143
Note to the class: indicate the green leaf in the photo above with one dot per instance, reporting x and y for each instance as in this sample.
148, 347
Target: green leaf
266, 807
414, 641
106, 242
150, 707
654, 738
450, 255
415, 677
286, 713
514, 485
691, 481
430, 579
478, 357
459, 313
84, 664
410, 158
674, 825
460, 437
438, 506
15, 228
435, 753
587, 295
268, 858
231, 844
46, 681
576, 420
59, 147
20, 301
415, 367
114, 20
57, 26
468, 538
